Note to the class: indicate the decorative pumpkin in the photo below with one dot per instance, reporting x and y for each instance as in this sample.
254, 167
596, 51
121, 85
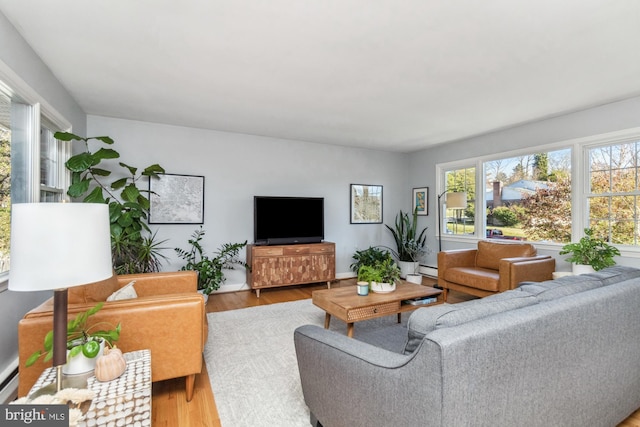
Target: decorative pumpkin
110, 365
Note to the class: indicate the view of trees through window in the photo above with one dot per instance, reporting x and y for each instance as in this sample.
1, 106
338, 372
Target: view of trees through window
529, 197
614, 194
526, 197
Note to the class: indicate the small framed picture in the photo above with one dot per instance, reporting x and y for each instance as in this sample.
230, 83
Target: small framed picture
421, 201
366, 204
176, 199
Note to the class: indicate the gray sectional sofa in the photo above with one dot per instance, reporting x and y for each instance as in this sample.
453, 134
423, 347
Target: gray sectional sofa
563, 352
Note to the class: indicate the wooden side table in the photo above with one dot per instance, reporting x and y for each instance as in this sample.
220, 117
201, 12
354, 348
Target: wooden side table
125, 401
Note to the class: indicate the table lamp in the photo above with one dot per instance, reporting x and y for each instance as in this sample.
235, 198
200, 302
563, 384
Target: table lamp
55, 246
455, 200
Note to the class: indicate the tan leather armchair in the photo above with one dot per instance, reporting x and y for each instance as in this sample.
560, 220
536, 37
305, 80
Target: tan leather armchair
168, 318
492, 268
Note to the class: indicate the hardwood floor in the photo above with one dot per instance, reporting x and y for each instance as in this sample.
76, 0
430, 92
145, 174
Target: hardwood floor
170, 407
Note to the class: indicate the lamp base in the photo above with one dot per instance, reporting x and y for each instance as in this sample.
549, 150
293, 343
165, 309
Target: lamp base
66, 381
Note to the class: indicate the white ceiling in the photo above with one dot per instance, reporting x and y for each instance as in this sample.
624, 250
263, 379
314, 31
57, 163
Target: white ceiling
384, 74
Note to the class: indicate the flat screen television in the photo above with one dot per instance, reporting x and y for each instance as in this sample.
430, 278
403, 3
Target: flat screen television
287, 220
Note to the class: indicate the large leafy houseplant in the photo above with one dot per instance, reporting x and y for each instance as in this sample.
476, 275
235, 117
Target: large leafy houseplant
81, 337
591, 251
410, 244
134, 248
368, 257
210, 268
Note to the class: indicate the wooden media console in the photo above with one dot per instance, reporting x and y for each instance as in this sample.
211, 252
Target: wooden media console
285, 265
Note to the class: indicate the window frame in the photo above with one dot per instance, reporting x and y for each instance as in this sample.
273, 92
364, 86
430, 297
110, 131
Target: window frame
39, 112
579, 184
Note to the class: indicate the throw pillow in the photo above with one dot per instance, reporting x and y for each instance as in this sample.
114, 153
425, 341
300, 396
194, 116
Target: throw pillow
125, 292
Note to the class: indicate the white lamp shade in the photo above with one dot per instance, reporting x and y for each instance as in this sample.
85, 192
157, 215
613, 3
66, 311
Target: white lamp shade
59, 245
457, 200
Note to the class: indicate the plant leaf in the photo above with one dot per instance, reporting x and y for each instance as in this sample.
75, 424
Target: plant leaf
80, 162
106, 153
130, 193
118, 184
67, 136
79, 188
105, 139
95, 196
153, 170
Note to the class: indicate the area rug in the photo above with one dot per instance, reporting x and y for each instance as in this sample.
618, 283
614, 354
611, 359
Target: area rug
252, 365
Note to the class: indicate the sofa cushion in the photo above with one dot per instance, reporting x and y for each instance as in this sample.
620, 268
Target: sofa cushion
562, 287
93, 292
427, 319
490, 253
479, 278
615, 274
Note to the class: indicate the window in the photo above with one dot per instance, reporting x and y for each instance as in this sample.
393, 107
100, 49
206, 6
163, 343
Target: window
53, 154
528, 197
458, 220
31, 162
520, 197
614, 192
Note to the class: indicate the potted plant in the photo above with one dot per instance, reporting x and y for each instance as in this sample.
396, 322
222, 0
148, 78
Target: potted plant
84, 343
134, 248
210, 269
410, 245
590, 251
381, 276
369, 256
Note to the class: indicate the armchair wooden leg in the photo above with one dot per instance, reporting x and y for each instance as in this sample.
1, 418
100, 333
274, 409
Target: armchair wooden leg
445, 293
190, 381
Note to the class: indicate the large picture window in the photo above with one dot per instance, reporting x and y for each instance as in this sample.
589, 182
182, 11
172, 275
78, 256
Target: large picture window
614, 192
528, 197
521, 197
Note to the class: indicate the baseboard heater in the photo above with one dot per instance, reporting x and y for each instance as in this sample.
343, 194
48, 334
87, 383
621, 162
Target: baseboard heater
428, 270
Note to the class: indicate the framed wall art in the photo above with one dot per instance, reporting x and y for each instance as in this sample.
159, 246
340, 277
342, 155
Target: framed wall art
176, 199
366, 204
421, 201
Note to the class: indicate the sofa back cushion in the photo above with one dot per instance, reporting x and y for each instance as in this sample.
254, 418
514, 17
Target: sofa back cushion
562, 287
427, 319
93, 292
616, 274
490, 253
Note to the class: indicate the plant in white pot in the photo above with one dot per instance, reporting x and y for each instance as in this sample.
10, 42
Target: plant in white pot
590, 252
85, 343
389, 273
410, 245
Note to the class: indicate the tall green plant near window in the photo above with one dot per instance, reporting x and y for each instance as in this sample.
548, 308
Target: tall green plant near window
134, 248
410, 245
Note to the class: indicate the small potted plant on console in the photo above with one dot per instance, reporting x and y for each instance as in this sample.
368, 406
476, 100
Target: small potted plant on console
590, 253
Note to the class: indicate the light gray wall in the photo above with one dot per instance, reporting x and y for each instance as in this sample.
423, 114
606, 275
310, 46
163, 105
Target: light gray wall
17, 58
237, 167
608, 118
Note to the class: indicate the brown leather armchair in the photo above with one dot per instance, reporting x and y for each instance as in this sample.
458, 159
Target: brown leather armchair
168, 317
492, 268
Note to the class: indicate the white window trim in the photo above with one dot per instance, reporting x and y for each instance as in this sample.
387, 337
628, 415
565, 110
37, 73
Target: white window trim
579, 174
13, 84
